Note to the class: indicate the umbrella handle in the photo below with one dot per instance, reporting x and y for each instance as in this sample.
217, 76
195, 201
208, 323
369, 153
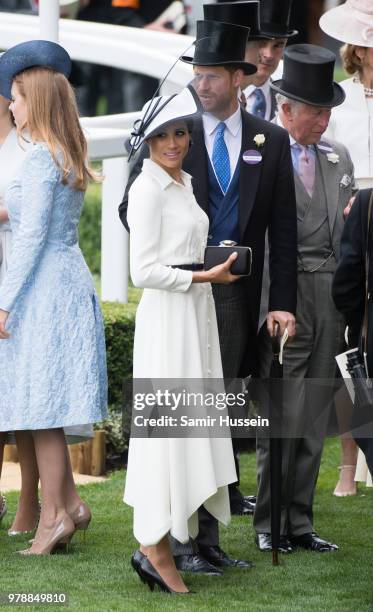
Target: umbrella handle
275, 557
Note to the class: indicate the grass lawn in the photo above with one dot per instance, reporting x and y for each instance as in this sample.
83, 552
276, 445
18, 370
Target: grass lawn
97, 575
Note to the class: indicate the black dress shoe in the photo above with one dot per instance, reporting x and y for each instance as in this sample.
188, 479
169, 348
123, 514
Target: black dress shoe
264, 543
150, 576
196, 564
242, 508
217, 556
250, 498
311, 541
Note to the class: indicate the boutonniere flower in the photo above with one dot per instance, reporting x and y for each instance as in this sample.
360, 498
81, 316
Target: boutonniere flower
259, 140
333, 158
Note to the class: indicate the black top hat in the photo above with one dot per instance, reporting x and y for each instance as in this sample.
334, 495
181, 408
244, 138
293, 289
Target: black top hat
308, 76
275, 19
240, 13
220, 44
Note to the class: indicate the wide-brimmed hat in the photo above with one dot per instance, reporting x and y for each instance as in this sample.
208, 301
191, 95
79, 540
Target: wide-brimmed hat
240, 13
220, 44
29, 54
161, 111
351, 23
275, 19
308, 76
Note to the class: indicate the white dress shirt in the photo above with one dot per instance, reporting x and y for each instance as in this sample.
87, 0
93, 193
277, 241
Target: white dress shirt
232, 136
250, 98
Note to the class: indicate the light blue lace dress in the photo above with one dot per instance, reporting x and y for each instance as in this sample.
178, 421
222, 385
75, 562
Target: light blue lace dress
53, 366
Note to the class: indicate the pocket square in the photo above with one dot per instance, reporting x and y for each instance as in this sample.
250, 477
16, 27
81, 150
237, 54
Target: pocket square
345, 181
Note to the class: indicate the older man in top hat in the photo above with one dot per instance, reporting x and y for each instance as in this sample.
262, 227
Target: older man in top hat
324, 184
242, 178
265, 46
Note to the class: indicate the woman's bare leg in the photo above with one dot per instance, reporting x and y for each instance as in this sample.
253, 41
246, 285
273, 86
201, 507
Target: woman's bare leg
71, 494
160, 556
346, 484
50, 448
27, 514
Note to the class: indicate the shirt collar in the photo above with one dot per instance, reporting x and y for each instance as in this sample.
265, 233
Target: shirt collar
233, 123
163, 178
265, 88
310, 148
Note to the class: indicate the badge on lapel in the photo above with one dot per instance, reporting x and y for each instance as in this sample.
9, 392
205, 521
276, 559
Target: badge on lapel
253, 156
324, 147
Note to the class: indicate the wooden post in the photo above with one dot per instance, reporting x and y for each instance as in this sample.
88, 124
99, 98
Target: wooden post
98, 462
10, 453
89, 457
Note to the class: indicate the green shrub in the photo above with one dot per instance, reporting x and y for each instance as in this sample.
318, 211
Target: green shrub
119, 322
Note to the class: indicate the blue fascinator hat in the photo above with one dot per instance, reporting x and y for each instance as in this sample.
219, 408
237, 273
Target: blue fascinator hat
29, 54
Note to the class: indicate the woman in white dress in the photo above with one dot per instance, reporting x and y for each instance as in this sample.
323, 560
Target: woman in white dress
352, 124
176, 337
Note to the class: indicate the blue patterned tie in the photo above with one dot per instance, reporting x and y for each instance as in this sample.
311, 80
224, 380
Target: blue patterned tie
220, 158
260, 105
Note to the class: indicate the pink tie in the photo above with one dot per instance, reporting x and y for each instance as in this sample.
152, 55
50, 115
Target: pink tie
306, 168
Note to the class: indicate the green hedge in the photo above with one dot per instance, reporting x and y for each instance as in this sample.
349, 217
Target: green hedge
119, 322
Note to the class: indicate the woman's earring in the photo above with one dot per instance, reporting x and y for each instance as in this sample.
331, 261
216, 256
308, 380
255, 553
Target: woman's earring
190, 143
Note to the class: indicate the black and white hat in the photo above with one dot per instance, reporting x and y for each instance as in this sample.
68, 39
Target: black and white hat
161, 111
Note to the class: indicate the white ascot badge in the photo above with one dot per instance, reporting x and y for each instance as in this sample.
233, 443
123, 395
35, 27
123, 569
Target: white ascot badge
259, 140
333, 158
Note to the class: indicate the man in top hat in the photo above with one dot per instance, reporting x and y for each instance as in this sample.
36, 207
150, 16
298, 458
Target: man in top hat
324, 183
245, 14
242, 177
265, 48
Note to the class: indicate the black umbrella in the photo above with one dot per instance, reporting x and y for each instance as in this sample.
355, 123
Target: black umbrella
275, 442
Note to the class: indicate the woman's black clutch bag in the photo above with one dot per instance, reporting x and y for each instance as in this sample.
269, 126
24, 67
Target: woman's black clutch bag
215, 255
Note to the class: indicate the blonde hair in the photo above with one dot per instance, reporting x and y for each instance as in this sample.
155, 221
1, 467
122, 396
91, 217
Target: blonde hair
53, 117
351, 62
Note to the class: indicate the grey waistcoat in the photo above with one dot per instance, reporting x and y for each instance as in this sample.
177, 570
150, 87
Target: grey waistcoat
314, 240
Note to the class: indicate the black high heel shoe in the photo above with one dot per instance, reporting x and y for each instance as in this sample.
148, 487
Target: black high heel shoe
149, 574
136, 561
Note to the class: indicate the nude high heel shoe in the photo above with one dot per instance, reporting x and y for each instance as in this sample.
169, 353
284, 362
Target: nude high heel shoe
15, 532
81, 517
346, 485
62, 533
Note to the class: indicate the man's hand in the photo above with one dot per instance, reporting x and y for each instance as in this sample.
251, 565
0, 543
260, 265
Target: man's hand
346, 211
3, 318
283, 320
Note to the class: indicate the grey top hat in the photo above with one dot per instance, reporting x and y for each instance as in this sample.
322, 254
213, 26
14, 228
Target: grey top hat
29, 54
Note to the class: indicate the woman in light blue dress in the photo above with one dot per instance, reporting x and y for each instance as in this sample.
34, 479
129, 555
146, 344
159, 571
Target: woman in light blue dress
52, 349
